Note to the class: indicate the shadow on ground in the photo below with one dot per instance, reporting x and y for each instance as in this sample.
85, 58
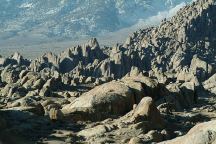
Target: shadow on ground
18, 127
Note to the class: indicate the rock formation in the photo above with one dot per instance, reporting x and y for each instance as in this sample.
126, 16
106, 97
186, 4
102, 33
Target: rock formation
155, 87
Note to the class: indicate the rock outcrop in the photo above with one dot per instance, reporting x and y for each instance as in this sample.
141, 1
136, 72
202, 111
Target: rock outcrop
153, 88
147, 110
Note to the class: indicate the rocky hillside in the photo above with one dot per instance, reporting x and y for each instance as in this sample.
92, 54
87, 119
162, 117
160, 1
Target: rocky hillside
186, 42
155, 87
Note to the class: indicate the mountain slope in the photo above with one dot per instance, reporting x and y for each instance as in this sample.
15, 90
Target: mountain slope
75, 19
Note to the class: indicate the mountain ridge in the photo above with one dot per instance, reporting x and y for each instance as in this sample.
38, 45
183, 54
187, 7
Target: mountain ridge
74, 18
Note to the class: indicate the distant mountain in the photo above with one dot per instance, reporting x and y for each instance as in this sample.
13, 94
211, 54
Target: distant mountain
75, 19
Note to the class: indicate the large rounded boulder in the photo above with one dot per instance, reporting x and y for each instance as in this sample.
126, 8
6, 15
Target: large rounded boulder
204, 133
108, 100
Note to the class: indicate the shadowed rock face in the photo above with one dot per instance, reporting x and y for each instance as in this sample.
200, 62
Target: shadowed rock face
15, 59
153, 88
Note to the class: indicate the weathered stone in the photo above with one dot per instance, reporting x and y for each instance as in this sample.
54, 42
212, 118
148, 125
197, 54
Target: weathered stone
135, 140
200, 134
45, 91
143, 86
55, 114
210, 84
155, 136
181, 95
147, 110
98, 130
200, 68
107, 100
